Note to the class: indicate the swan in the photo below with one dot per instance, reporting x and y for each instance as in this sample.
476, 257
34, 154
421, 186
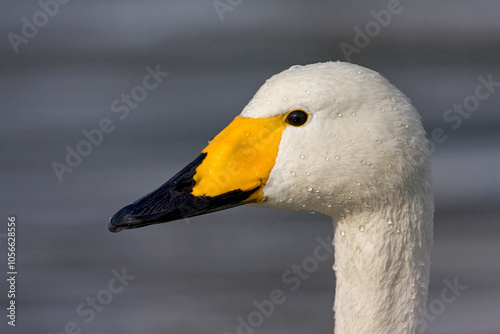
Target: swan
338, 139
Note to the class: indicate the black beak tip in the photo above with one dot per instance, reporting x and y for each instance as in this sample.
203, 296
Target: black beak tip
121, 220
114, 228
173, 201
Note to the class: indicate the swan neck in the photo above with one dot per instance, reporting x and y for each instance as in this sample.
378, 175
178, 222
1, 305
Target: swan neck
382, 265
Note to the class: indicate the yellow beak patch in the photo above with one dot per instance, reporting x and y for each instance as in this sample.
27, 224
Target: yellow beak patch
240, 157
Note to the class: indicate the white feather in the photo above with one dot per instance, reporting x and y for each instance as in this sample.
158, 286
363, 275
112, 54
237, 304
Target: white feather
361, 158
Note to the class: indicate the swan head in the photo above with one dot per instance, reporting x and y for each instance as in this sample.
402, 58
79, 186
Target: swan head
329, 137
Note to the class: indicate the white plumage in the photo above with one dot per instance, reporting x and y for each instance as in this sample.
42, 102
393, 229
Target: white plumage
363, 160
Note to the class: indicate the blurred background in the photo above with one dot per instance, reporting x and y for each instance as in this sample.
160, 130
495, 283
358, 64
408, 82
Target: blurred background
66, 67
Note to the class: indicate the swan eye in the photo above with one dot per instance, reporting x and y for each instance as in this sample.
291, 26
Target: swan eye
297, 117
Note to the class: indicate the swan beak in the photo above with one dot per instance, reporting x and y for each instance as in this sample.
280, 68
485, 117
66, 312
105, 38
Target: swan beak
231, 171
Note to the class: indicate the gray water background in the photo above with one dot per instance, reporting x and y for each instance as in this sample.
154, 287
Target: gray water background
199, 276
